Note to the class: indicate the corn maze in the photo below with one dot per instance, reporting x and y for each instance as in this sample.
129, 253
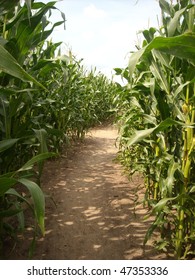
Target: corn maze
48, 99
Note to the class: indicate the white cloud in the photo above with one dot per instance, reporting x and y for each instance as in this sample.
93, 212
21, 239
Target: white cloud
92, 11
110, 45
104, 32
88, 35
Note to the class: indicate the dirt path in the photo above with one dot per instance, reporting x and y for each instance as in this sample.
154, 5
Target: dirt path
94, 214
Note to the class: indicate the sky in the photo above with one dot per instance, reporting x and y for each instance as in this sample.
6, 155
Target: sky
104, 32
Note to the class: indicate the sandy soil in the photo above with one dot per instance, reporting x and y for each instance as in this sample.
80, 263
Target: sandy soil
94, 215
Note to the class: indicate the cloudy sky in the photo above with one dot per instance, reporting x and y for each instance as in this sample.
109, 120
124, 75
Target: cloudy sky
103, 32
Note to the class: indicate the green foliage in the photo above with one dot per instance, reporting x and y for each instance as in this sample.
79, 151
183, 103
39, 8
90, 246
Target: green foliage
156, 112
46, 99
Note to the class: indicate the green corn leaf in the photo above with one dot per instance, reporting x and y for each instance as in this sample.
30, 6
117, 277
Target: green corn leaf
135, 57
40, 5
64, 19
40, 37
161, 204
173, 24
192, 189
160, 76
163, 58
180, 46
38, 201
9, 212
162, 104
169, 182
149, 34
44, 62
140, 135
149, 119
7, 175
26, 29
8, 6
28, 4
191, 19
6, 144
41, 135
13, 192
9, 65
36, 159
165, 7
179, 89
154, 225
167, 123
6, 184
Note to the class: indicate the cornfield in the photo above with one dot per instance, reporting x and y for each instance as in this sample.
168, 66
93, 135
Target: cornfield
157, 125
48, 99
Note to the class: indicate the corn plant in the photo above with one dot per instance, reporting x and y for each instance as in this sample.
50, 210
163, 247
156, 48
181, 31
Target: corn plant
22, 141
157, 127
46, 99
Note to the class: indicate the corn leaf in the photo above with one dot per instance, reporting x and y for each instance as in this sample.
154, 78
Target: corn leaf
173, 24
192, 190
169, 181
165, 6
135, 57
9, 212
7, 6
140, 135
153, 227
180, 46
12, 191
6, 184
41, 135
6, 144
161, 204
36, 159
9, 65
156, 69
38, 201
28, 4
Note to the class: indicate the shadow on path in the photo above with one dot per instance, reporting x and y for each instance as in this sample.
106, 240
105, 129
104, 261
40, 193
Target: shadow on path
94, 217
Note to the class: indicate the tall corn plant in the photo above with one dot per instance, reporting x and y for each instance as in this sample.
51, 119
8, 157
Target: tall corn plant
77, 100
46, 99
22, 140
157, 133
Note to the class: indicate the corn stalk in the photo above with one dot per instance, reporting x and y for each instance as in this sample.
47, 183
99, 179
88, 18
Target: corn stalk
158, 125
46, 99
